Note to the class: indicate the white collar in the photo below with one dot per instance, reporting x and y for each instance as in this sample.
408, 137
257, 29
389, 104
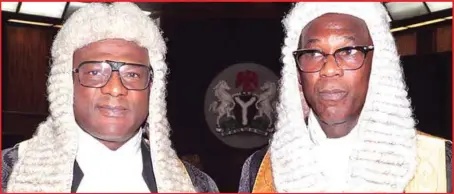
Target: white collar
318, 136
93, 154
332, 153
103, 168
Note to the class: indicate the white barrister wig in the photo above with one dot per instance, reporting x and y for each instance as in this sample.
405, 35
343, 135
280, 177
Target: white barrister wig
385, 159
46, 160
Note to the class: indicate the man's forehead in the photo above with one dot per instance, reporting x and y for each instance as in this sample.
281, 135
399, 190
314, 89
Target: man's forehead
112, 49
111, 46
112, 43
341, 23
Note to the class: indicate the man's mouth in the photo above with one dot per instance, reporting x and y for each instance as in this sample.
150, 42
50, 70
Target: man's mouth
112, 111
332, 94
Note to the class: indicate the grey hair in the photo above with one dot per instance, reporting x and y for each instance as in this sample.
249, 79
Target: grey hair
385, 159
46, 161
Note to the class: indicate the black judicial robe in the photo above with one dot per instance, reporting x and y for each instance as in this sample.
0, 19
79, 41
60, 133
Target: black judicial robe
201, 181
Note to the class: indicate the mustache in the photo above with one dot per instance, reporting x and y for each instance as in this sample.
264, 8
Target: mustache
112, 103
331, 88
112, 107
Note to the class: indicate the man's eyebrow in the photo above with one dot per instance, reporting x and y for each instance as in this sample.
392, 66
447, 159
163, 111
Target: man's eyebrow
312, 41
309, 41
349, 38
316, 40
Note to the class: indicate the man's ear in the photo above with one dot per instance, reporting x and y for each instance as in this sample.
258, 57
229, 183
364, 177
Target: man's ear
298, 76
150, 86
304, 104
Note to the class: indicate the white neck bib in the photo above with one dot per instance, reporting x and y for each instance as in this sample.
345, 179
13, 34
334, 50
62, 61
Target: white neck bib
333, 154
110, 171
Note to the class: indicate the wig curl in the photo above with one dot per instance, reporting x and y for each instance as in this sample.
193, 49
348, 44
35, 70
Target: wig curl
385, 158
46, 161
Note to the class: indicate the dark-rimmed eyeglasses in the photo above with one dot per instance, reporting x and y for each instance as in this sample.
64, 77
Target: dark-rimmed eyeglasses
347, 58
96, 74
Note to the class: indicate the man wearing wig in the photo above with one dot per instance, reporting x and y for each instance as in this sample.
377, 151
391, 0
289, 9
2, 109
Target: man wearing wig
106, 88
340, 62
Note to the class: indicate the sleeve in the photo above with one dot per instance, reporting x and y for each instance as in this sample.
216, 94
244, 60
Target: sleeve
9, 158
250, 169
201, 181
246, 183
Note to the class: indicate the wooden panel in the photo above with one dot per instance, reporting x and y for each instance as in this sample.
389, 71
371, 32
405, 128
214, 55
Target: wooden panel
26, 67
406, 44
21, 124
444, 38
425, 41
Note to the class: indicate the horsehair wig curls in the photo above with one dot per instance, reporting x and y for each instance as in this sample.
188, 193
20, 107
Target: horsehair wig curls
45, 162
385, 159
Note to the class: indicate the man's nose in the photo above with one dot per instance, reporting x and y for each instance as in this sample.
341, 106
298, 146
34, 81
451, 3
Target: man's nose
114, 87
331, 68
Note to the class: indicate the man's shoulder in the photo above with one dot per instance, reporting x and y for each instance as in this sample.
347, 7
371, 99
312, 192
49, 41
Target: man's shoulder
250, 169
427, 141
434, 163
429, 145
255, 159
201, 181
9, 158
425, 136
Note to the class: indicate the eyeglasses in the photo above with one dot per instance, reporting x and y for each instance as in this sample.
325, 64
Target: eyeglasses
347, 58
96, 74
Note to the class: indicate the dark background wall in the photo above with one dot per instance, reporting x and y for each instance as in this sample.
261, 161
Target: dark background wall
429, 79
198, 49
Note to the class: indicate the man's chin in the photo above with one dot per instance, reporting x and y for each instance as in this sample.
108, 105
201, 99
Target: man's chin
112, 139
331, 121
335, 122
117, 137
113, 135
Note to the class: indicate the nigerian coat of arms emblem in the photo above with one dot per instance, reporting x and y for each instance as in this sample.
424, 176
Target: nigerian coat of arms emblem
240, 105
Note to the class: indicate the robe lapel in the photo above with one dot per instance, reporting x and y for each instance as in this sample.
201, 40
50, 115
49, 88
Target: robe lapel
77, 177
147, 173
